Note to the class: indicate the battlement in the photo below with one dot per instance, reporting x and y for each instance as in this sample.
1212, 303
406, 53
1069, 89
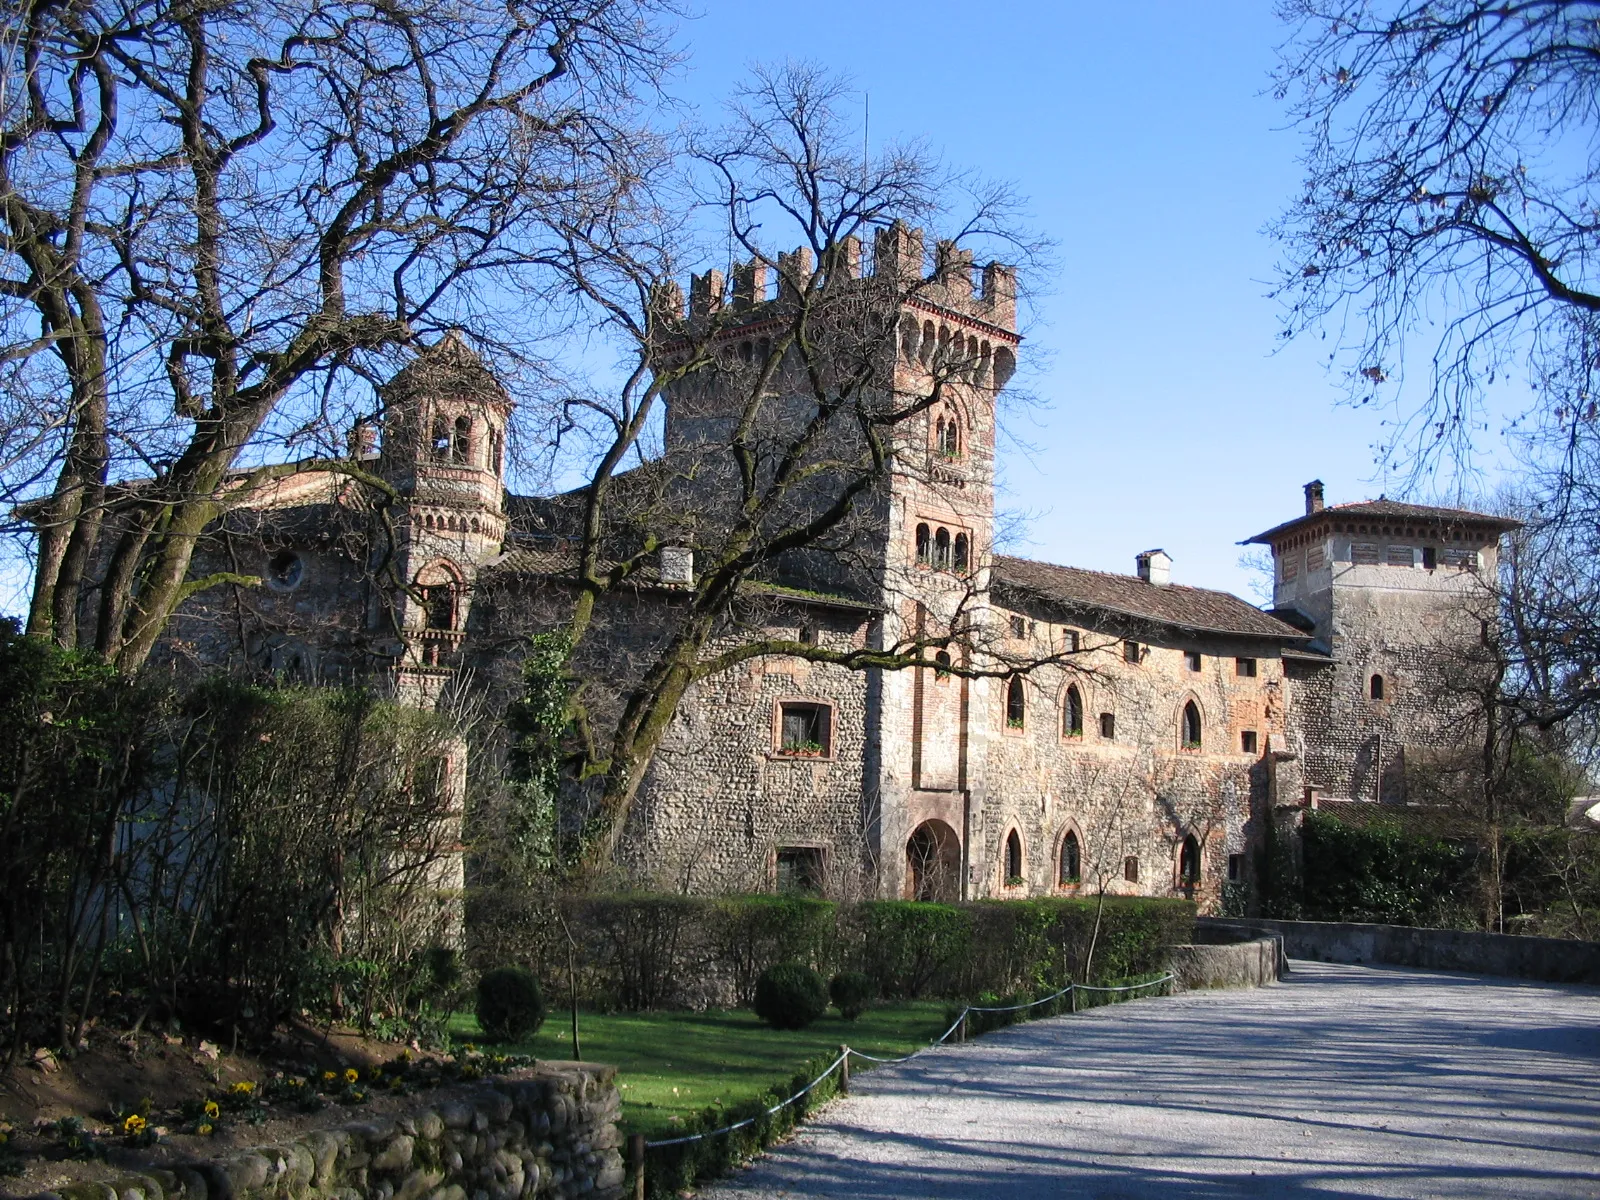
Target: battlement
899, 257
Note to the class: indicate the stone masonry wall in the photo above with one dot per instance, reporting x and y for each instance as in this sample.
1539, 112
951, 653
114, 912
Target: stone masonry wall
1140, 792
549, 1132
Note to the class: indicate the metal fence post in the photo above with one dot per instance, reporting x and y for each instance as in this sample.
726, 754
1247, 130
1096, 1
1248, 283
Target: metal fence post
636, 1152
844, 1070
1072, 999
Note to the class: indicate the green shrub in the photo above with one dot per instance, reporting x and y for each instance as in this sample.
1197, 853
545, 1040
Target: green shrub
1383, 873
851, 992
790, 996
510, 1004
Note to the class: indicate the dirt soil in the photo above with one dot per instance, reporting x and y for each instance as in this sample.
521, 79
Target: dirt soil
115, 1074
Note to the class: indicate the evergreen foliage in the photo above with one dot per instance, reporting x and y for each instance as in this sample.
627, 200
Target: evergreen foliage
790, 996
510, 1003
851, 992
1383, 874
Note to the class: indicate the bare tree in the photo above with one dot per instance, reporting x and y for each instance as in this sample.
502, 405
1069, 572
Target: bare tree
217, 218
1450, 186
782, 445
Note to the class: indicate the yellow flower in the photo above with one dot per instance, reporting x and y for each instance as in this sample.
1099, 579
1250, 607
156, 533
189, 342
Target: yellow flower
212, 1109
243, 1088
204, 1130
351, 1075
134, 1125
328, 1077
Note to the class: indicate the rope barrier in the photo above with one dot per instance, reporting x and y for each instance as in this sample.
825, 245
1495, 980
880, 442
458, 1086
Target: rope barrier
939, 1041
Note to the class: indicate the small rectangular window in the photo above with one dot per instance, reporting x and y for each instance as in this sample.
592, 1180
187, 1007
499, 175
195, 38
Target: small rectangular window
799, 871
1108, 726
1192, 658
1365, 554
1430, 558
1130, 868
1466, 559
1245, 668
803, 730
1235, 868
1069, 641
1130, 652
1019, 627
1401, 556
1247, 741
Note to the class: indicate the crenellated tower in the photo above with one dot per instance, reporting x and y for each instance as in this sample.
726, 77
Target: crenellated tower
940, 337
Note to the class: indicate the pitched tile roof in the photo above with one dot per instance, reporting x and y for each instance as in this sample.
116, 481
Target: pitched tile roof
1190, 608
1394, 510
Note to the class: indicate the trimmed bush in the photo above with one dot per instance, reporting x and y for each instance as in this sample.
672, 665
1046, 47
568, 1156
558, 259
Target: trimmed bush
851, 992
510, 1004
790, 996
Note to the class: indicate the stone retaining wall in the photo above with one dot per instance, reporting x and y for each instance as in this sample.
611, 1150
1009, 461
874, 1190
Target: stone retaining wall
548, 1132
1239, 964
1555, 960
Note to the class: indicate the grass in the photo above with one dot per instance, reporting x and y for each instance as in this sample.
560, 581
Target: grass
673, 1064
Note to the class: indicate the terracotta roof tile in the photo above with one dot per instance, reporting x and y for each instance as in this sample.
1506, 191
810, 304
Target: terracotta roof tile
1392, 510
1190, 608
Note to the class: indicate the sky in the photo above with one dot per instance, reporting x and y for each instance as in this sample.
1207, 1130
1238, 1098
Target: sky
1151, 151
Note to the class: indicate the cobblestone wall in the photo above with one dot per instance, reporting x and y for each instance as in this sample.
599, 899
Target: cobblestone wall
549, 1133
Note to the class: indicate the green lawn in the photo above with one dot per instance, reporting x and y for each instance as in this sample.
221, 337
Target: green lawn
672, 1064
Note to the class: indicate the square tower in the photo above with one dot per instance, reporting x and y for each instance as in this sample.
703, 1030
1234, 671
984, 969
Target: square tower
1395, 596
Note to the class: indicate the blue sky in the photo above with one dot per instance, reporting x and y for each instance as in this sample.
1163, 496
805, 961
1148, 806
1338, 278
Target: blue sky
1152, 152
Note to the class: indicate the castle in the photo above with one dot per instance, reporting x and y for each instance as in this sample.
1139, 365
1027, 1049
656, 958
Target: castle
1169, 735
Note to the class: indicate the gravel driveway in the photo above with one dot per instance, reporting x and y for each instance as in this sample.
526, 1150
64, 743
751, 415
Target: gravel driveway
1340, 1081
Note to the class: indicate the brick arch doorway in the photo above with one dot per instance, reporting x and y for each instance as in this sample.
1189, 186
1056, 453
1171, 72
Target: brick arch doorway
933, 863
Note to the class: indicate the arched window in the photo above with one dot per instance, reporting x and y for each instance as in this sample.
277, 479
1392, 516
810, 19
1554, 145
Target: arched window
1189, 862
1376, 687
1016, 703
461, 446
941, 549
1072, 713
439, 446
1071, 860
941, 668
949, 438
924, 545
963, 552
1191, 726
440, 603
925, 350
1013, 859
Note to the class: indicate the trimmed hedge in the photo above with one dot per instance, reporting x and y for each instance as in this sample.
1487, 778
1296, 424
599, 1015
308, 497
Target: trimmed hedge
644, 951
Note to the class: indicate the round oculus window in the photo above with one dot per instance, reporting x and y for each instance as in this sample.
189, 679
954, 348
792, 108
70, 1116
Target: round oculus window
285, 570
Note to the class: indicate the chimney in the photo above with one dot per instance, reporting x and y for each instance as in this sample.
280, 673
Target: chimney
362, 440
677, 565
1155, 566
1314, 497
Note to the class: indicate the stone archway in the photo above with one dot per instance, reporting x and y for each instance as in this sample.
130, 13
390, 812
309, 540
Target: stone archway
933, 863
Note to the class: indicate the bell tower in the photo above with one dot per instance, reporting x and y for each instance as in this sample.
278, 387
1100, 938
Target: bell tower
444, 453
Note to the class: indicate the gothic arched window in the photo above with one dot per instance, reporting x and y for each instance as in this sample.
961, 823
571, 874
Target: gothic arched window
1072, 713
1013, 859
1376, 688
941, 549
439, 444
963, 552
1016, 703
924, 545
1191, 726
1189, 862
948, 438
461, 446
1071, 860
